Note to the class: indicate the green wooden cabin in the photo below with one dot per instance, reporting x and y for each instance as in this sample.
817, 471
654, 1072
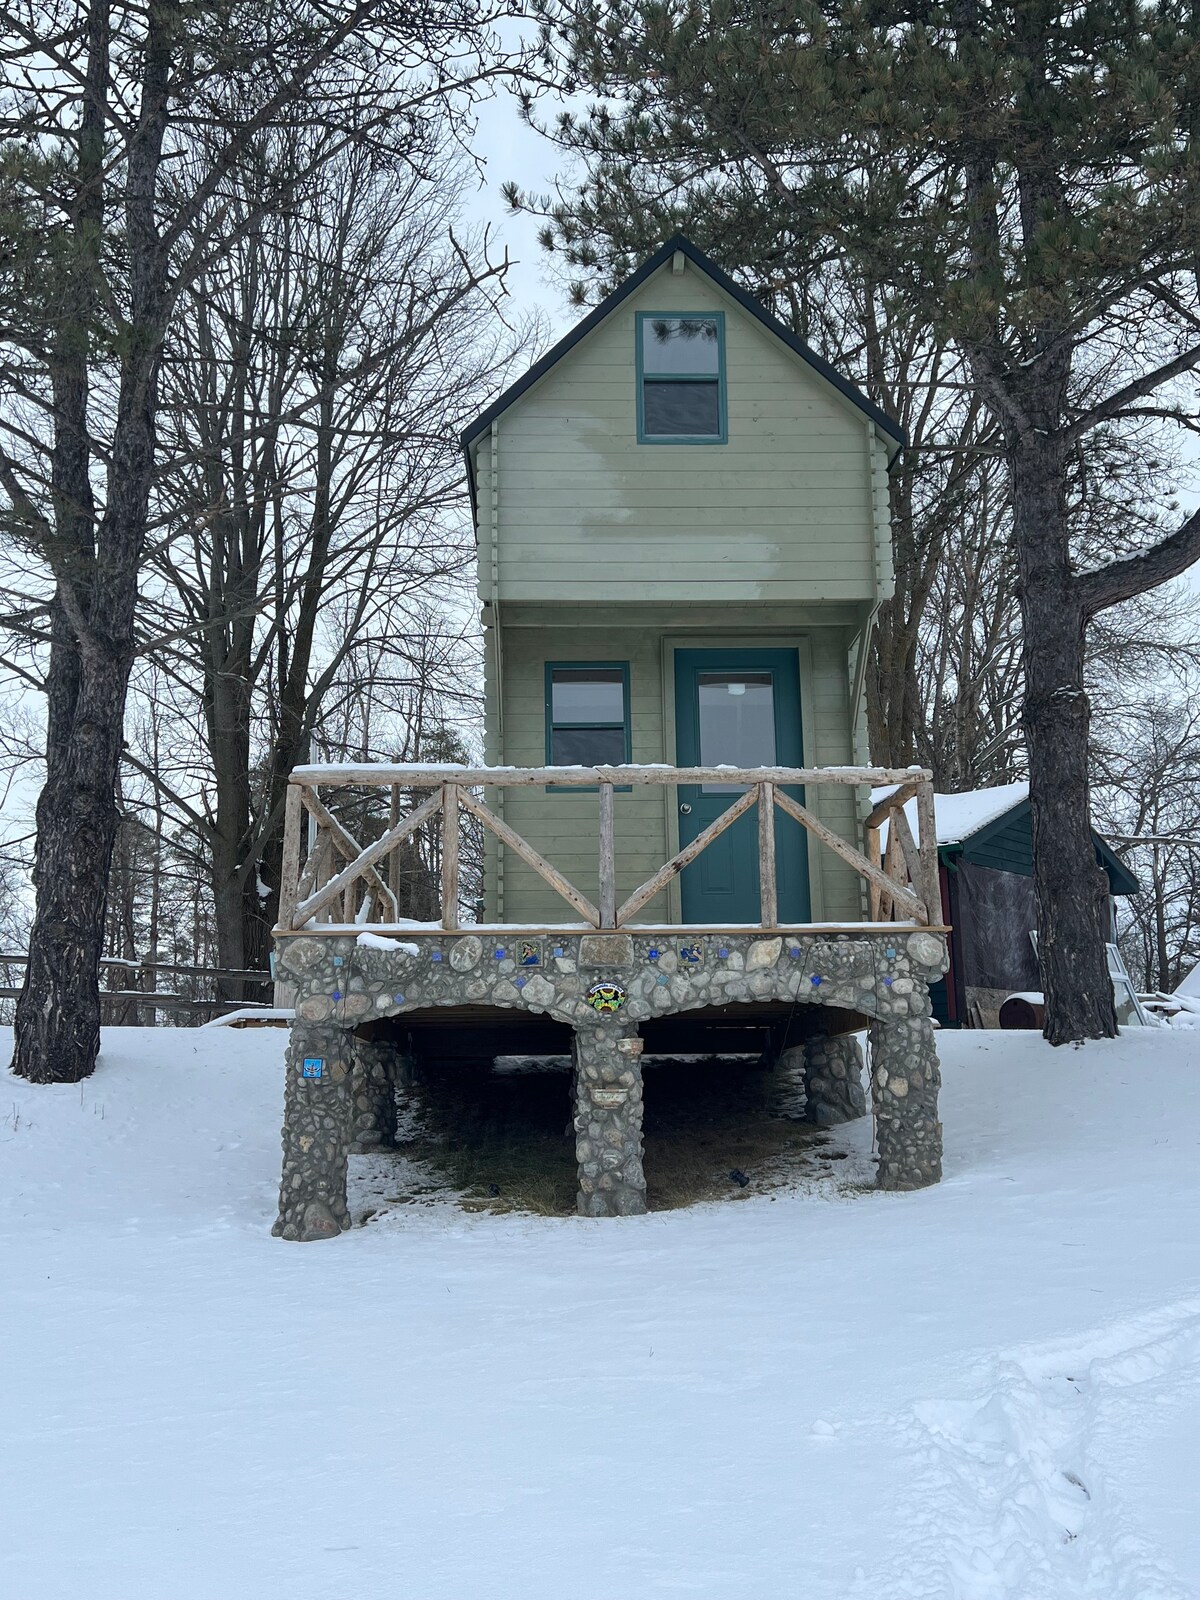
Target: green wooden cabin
682, 523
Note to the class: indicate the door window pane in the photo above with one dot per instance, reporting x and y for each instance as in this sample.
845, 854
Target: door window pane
737, 723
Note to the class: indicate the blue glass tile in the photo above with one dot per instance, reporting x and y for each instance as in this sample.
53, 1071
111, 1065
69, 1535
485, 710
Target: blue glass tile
399, 999
337, 994
499, 953
814, 980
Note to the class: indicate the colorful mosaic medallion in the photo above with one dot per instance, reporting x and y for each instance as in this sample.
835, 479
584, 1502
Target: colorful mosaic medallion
692, 953
529, 953
605, 998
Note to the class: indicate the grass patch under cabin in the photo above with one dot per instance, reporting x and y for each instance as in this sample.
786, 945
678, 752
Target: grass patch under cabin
500, 1138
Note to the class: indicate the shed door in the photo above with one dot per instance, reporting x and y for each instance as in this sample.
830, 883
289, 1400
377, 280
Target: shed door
738, 708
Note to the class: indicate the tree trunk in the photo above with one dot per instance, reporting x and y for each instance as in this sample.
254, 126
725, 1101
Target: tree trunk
57, 1032
894, 711
1069, 883
57, 1024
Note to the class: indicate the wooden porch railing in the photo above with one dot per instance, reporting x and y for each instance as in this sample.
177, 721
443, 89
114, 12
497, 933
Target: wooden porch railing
902, 881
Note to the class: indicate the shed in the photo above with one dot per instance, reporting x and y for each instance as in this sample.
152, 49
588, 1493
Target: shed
985, 861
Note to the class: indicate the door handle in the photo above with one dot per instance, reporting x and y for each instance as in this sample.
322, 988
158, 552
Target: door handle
685, 810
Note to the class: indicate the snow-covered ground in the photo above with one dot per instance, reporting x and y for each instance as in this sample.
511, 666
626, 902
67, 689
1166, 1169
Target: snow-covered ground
989, 1390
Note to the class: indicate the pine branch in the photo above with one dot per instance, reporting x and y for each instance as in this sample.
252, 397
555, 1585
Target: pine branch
1122, 580
1186, 361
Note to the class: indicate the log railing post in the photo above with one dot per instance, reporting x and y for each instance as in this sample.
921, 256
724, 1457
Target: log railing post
392, 865
289, 877
931, 888
608, 859
450, 855
892, 858
767, 899
873, 856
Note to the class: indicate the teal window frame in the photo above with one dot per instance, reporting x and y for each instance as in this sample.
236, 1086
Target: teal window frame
584, 666
722, 437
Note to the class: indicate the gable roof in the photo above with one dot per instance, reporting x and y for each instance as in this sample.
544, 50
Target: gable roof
610, 303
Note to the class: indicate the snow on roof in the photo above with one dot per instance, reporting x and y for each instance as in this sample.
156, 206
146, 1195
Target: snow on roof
959, 816
1190, 987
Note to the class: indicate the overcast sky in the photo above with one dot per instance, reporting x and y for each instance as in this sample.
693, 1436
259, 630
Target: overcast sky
511, 151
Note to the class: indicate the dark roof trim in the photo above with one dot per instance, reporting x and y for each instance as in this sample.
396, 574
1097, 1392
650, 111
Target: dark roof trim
648, 267
1121, 880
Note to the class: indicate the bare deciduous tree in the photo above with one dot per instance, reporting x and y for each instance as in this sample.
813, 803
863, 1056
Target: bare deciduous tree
123, 126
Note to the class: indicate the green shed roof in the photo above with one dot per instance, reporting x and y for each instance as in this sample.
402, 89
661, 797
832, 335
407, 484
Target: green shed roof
1005, 843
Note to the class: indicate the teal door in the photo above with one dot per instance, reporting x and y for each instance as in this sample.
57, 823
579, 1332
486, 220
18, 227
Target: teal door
738, 708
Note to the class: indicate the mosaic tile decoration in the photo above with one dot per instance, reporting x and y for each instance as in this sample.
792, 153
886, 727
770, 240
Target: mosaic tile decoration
606, 998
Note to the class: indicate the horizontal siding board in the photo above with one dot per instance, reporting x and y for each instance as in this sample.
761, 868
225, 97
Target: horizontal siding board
692, 508
707, 564
805, 505
729, 588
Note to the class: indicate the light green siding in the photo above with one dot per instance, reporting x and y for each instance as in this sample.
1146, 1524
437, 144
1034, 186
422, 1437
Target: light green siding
788, 509
563, 826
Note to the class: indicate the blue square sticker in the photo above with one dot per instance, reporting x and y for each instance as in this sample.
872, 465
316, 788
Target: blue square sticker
314, 1067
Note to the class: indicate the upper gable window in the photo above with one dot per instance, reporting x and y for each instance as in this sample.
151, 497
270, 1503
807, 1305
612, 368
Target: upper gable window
681, 378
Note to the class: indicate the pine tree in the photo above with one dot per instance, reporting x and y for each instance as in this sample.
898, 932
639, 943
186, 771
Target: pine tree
1023, 178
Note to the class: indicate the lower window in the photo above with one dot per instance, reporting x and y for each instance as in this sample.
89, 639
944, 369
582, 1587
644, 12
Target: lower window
587, 713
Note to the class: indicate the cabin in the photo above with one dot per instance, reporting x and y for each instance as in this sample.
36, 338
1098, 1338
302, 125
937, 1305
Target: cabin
985, 873
682, 523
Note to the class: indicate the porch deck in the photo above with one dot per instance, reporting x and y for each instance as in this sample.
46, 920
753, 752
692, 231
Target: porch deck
370, 988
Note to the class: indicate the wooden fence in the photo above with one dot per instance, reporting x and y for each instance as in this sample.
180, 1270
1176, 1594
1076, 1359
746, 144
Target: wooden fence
340, 876
150, 999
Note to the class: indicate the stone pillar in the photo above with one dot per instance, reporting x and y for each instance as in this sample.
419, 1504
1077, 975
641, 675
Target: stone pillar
316, 1133
373, 1117
608, 1121
833, 1086
904, 1089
